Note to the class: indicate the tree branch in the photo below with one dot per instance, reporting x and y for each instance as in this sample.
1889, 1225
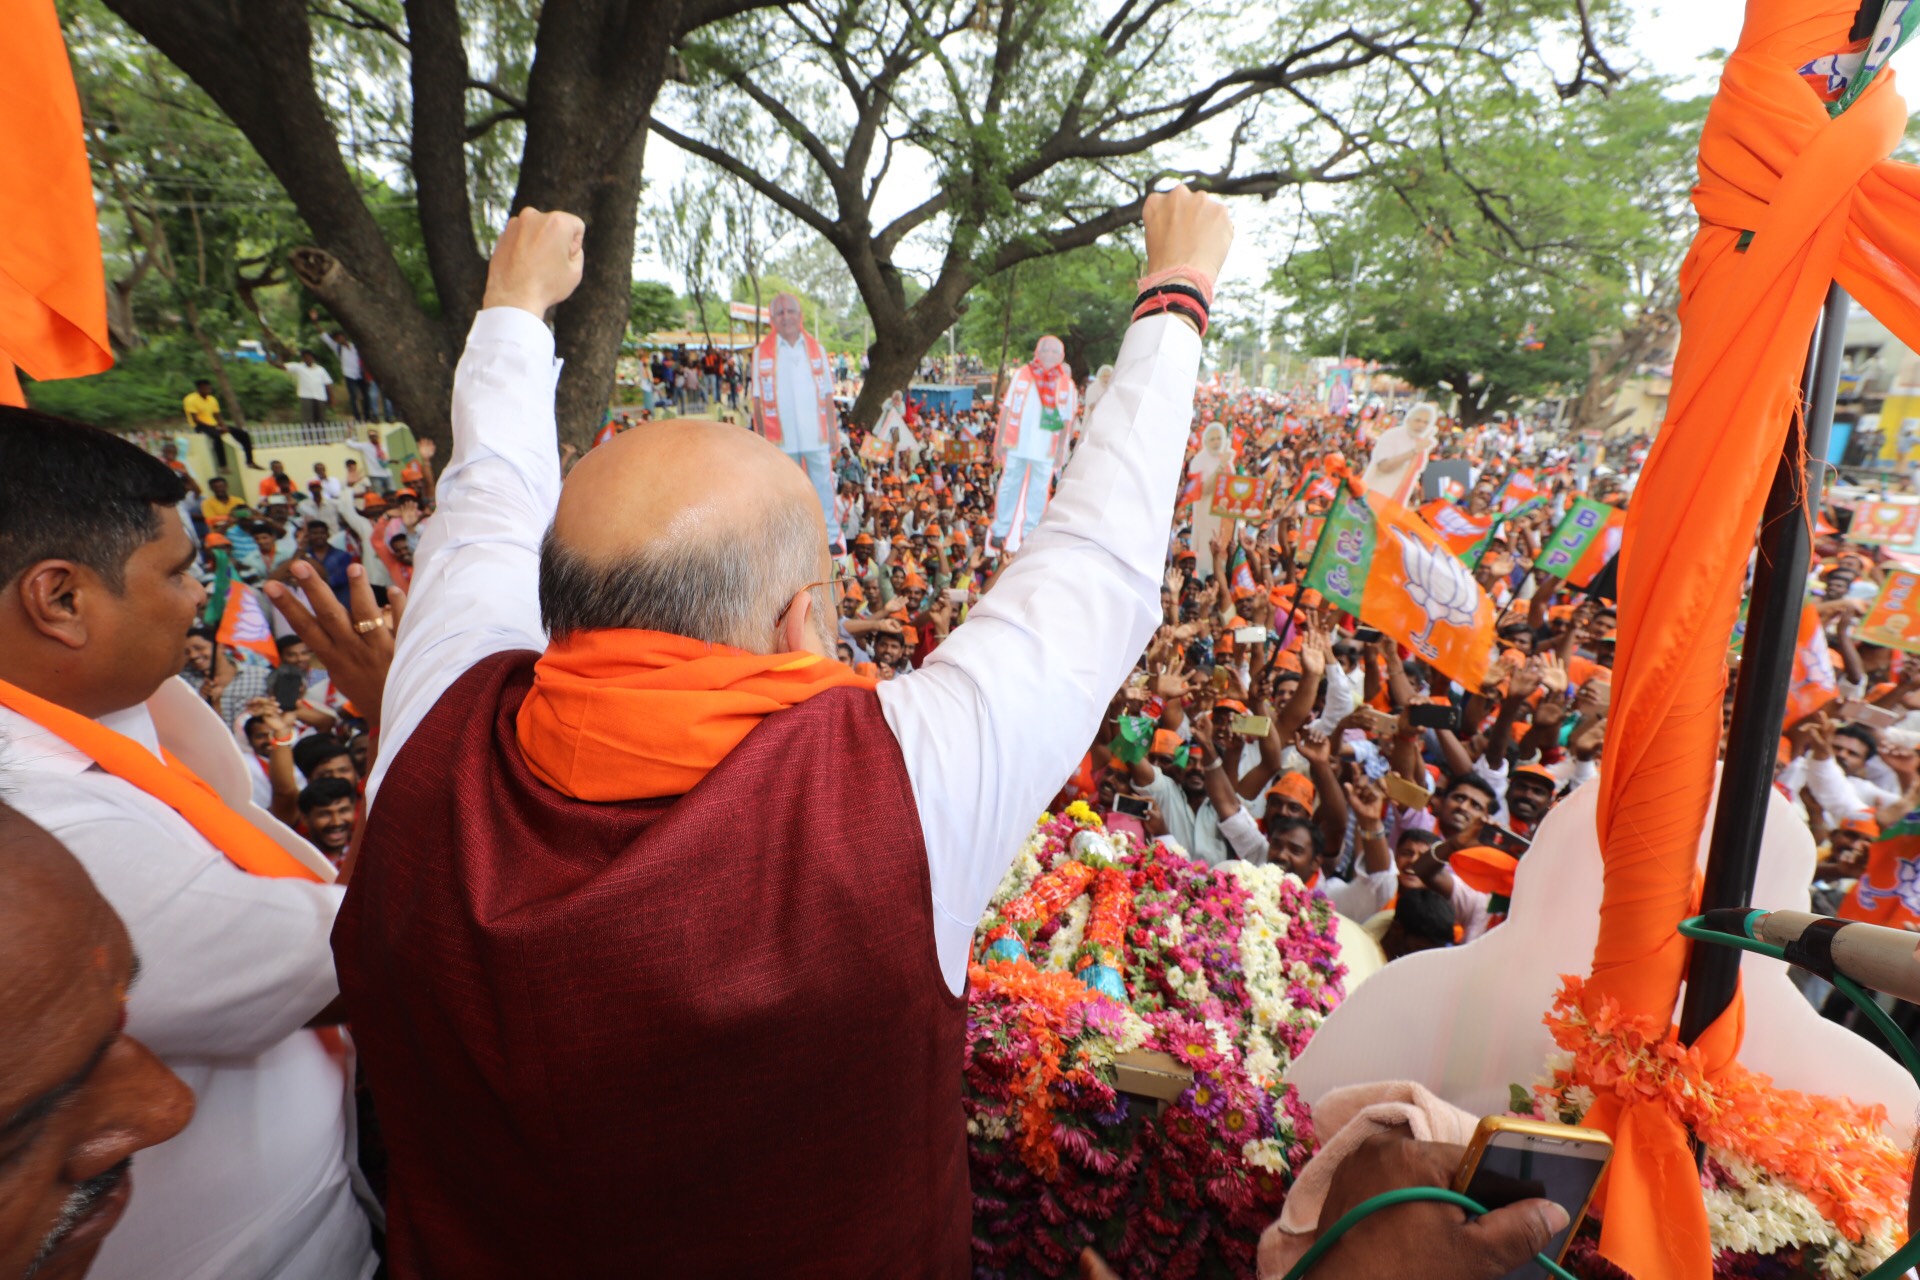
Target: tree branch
753, 178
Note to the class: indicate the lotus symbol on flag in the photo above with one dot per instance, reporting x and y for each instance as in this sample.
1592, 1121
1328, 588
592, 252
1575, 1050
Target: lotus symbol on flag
1439, 586
1906, 887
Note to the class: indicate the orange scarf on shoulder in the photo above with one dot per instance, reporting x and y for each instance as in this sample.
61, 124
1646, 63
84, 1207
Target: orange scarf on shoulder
166, 780
638, 715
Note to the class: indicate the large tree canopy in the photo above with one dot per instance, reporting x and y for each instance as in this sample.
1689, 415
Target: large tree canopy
485, 108
1501, 291
976, 137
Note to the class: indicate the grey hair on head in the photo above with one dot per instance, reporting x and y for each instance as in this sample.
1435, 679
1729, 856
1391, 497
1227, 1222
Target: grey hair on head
729, 590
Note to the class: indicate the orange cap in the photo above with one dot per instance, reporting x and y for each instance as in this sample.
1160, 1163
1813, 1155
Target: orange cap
1297, 787
1165, 742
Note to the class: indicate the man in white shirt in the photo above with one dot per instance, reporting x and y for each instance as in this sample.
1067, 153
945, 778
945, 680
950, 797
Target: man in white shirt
793, 404
310, 383
972, 744
236, 968
373, 460
351, 372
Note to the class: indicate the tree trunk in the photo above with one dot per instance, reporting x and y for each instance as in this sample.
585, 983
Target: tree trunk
235, 414
893, 358
598, 65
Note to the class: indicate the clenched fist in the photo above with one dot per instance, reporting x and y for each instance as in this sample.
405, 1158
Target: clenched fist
537, 261
1186, 229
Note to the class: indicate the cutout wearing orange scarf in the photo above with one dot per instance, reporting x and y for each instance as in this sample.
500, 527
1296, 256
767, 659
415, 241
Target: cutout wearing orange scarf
171, 783
637, 715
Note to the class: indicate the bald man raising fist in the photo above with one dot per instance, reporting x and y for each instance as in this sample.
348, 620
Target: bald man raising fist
657, 947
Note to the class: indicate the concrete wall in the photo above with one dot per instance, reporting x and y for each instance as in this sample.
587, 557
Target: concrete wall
297, 445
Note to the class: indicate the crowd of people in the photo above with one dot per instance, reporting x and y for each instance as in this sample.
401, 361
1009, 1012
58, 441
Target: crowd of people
607, 693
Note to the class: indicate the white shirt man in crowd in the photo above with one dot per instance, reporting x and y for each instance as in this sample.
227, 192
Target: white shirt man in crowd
310, 384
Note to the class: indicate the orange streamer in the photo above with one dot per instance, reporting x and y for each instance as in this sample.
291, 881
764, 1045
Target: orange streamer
53, 292
1823, 204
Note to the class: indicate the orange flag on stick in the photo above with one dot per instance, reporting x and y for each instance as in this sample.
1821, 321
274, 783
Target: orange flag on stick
53, 292
1791, 199
1385, 566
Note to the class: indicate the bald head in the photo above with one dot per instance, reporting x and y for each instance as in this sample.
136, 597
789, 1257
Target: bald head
688, 526
784, 311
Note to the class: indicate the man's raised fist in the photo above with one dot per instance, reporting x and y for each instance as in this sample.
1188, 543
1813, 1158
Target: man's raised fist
1186, 229
537, 261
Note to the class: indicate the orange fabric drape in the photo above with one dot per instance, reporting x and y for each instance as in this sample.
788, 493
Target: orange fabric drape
637, 715
53, 292
171, 783
1824, 204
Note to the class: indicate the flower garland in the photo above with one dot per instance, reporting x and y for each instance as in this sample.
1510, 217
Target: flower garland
1789, 1173
1227, 970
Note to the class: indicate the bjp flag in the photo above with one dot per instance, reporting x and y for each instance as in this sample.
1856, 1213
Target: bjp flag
1520, 487
1813, 685
1885, 524
1385, 566
53, 293
1894, 620
1458, 528
234, 611
1889, 893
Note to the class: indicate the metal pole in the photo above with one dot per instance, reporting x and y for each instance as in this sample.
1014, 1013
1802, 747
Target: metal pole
1766, 669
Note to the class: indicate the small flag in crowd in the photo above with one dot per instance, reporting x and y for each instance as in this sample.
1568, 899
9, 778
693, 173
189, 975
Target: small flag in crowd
1386, 567
1575, 541
1894, 620
1885, 524
1458, 528
232, 606
1813, 685
1889, 893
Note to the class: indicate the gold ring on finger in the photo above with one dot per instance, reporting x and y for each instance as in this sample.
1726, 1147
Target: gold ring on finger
370, 624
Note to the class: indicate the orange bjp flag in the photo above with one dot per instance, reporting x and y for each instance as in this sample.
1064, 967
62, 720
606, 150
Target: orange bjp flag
1384, 565
1460, 529
1792, 198
53, 293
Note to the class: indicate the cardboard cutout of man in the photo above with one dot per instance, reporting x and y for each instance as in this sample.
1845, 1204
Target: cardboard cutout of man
1215, 457
1032, 440
1400, 455
793, 402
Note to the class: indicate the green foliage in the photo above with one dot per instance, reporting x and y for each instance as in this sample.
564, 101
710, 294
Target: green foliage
145, 387
653, 306
1083, 297
1487, 269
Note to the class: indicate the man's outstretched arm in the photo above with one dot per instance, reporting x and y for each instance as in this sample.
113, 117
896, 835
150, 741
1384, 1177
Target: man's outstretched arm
1005, 707
476, 578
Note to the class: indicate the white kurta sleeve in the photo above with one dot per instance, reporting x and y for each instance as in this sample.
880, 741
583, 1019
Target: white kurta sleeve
1002, 711
476, 578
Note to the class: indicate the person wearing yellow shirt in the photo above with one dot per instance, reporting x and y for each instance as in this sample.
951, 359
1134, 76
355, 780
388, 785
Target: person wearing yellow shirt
217, 507
202, 408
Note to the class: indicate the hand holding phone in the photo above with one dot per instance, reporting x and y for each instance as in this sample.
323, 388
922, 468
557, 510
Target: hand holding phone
1511, 1160
1250, 726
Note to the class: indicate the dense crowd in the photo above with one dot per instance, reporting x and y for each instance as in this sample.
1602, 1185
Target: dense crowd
540, 706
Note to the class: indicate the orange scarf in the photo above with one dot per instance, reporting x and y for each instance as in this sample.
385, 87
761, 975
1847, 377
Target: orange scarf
171, 783
637, 715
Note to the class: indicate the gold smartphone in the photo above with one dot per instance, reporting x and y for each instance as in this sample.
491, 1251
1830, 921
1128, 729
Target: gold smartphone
1406, 794
1511, 1159
1250, 726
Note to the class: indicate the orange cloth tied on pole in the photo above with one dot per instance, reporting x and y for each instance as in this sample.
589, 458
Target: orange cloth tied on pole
166, 780
53, 291
1823, 204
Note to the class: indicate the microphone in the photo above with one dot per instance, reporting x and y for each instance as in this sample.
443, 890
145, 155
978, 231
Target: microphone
1876, 957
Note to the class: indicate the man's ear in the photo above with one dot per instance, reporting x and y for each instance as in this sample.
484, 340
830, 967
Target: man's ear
794, 628
53, 596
